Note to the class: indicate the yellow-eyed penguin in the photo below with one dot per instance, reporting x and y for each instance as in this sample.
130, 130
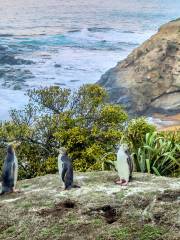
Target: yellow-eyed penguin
10, 170
124, 165
65, 169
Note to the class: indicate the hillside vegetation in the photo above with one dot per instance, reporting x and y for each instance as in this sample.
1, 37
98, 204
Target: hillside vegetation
90, 128
146, 209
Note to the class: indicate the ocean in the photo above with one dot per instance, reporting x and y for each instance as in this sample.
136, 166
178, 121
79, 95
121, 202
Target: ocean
69, 43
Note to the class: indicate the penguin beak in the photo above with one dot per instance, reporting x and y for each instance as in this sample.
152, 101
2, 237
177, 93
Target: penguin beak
16, 144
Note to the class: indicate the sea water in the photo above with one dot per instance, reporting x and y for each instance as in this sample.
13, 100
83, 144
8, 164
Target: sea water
69, 43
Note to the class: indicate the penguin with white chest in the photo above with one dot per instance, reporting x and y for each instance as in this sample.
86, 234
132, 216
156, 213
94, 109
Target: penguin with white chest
124, 165
10, 170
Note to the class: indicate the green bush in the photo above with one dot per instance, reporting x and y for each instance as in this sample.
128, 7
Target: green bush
137, 130
90, 128
173, 136
83, 122
158, 155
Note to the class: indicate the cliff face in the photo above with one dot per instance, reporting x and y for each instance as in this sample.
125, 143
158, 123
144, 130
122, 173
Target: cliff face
148, 80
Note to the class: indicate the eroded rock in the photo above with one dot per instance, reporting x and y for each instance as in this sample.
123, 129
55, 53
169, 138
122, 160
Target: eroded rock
148, 80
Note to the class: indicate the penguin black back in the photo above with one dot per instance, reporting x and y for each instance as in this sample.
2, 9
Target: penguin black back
130, 163
66, 171
10, 149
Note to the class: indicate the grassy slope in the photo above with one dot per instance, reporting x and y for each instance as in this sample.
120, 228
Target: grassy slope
147, 209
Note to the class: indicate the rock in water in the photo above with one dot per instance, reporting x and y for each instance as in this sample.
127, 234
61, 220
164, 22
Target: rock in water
148, 80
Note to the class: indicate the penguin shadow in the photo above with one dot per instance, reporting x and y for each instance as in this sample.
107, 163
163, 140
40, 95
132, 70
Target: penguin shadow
14, 193
62, 189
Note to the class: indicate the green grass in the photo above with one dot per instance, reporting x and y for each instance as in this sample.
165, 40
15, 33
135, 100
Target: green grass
147, 232
24, 205
10, 230
20, 218
120, 195
55, 231
150, 232
97, 222
121, 233
71, 219
26, 186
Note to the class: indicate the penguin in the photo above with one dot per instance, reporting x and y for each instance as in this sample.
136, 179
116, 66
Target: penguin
124, 165
10, 170
65, 169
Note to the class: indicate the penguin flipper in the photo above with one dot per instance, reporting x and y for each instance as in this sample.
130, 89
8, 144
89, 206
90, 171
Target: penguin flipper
14, 175
63, 174
69, 178
130, 162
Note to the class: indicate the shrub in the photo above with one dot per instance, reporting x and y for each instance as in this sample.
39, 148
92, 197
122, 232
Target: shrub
158, 155
83, 122
137, 130
90, 128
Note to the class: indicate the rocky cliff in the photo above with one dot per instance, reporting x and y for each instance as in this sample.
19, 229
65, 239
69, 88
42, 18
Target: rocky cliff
148, 80
146, 209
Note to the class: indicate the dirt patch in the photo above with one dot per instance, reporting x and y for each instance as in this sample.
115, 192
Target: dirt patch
67, 204
169, 196
158, 217
58, 209
108, 212
3, 227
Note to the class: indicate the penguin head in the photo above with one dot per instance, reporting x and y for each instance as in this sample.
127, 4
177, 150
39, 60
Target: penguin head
62, 150
10, 149
16, 144
123, 147
12, 146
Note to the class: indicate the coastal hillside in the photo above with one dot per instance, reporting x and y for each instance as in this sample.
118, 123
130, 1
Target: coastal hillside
146, 209
148, 80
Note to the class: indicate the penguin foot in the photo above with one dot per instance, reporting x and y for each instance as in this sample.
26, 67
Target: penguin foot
119, 182
16, 190
124, 183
